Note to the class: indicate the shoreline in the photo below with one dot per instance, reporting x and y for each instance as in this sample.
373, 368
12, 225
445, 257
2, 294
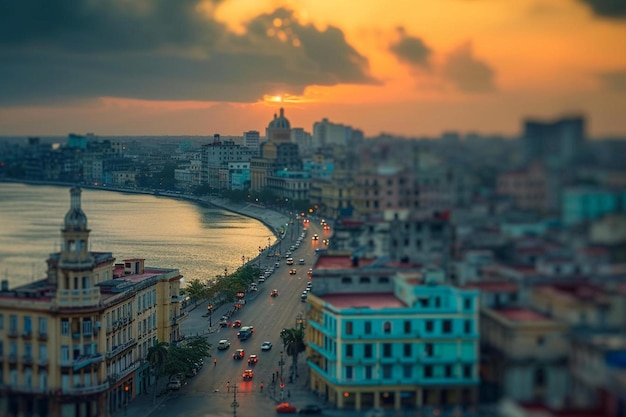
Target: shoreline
271, 219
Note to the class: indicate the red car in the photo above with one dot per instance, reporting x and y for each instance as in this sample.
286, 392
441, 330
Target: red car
285, 408
237, 323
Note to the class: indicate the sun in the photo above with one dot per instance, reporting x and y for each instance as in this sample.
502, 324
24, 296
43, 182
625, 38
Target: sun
277, 99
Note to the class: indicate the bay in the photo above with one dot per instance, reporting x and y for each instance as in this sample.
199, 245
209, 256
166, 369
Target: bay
200, 240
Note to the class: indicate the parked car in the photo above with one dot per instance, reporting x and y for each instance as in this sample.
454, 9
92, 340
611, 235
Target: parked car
285, 408
310, 409
301, 261
223, 344
266, 346
174, 385
292, 271
289, 261
261, 280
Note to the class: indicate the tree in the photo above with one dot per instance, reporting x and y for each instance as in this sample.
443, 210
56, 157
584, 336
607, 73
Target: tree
197, 290
293, 341
157, 356
184, 356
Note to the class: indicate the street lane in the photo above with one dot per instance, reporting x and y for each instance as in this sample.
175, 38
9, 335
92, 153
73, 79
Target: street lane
211, 392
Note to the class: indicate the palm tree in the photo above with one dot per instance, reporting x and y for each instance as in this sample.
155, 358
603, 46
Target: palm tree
196, 290
157, 356
293, 341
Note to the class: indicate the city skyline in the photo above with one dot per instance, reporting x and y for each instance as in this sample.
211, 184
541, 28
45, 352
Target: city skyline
405, 68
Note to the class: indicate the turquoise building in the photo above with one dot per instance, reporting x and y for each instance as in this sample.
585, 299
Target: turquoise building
390, 335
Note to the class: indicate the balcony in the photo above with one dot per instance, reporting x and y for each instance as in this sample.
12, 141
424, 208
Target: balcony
27, 335
42, 336
12, 358
86, 360
42, 361
120, 348
120, 375
27, 360
88, 297
28, 389
83, 390
12, 333
177, 298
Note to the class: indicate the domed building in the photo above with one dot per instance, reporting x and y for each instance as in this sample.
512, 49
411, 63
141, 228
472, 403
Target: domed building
277, 154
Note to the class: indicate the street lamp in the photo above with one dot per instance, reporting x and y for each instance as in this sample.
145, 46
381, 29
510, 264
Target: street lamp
225, 272
281, 363
260, 251
210, 309
243, 260
126, 389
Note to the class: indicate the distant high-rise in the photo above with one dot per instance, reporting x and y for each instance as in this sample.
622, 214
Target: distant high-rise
557, 143
251, 139
326, 133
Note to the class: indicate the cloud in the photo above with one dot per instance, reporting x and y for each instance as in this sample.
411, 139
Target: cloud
162, 50
467, 73
615, 9
411, 50
614, 81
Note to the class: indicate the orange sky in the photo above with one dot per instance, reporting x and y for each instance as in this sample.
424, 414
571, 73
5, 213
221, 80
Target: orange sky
407, 67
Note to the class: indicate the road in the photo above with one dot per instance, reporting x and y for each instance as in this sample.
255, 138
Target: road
208, 393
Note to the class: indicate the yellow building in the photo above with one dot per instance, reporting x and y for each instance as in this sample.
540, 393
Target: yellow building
75, 342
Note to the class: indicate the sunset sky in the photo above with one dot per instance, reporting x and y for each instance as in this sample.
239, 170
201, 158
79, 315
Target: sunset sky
405, 67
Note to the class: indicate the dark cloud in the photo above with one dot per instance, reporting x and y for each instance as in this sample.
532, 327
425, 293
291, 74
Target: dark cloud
607, 8
614, 81
467, 73
411, 50
162, 50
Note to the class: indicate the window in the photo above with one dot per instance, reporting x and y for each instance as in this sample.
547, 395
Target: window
364, 280
467, 371
349, 372
386, 350
424, 301
367, 350
368, 327
346, 280
428, 348
430, 325
387, 371
541, 340
448, 371
43, 352
1, 321
428, 371
467, 303
447, 326
87, 328
349, 327
28, 325
387, 327
43, 325
468, 326
407, 371
407, 326
65, 353
383, 280
368, 372
13, 323
407, 349
437, 301
539, 376
65, 327
349, 351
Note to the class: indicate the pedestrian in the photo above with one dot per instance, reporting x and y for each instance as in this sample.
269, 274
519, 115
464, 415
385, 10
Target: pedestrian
214, 361
227, 386
262, 385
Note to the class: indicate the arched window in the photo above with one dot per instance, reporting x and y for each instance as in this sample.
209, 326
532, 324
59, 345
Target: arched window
383, 280
346, 280
364, 280
387, 327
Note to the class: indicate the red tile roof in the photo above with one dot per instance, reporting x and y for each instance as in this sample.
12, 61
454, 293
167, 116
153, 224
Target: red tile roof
521, 314
493, 286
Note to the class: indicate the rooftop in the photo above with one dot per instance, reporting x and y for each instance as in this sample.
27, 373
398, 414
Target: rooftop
520, 314
374, 301
493, 286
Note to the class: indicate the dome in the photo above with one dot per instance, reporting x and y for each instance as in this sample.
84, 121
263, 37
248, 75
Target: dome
280, 122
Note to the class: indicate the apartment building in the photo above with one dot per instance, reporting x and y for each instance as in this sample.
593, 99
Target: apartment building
390, 335
74, 343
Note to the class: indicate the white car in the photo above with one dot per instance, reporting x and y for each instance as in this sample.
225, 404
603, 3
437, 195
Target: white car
266, 346
223, 344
